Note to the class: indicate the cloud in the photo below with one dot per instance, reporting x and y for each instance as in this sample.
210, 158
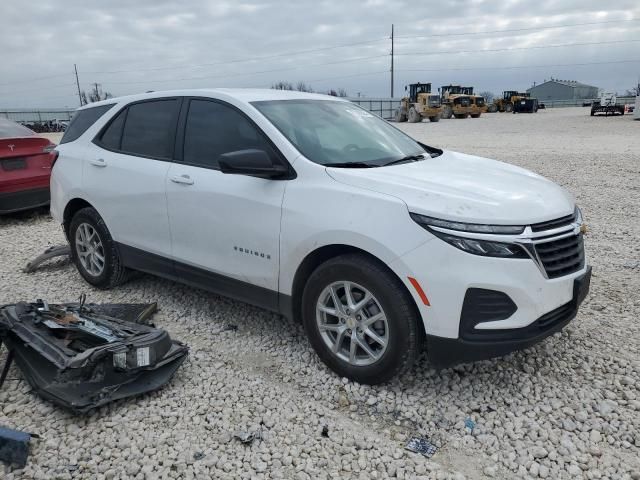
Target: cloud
131, 47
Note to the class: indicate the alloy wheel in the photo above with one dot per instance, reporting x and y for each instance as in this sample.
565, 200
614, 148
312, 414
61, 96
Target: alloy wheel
352, 323
89, 249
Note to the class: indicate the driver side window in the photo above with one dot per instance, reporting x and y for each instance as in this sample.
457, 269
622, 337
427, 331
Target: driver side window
213, 129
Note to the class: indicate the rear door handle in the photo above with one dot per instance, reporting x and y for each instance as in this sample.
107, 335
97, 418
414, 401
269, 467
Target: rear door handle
183, 179
98, 162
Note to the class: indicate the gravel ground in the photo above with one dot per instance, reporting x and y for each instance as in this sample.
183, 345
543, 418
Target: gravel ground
567, 408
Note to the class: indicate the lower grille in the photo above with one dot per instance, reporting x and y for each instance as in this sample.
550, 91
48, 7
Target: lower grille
561, 257
482, 305
547, 322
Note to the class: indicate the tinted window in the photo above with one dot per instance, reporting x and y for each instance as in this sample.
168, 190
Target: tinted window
111, 136
213, 129
82, 120
9, 129
149, 128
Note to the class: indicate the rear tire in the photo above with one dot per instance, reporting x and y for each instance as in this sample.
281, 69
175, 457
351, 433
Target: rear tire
508, 107
333, 336
93, 250
434, 119
475, 115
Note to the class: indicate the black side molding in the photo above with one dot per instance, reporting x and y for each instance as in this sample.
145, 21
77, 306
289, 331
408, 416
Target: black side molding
138, 259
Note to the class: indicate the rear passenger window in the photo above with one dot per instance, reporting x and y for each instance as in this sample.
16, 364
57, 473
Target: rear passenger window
213, 128
149, 129
82, 120
112, 135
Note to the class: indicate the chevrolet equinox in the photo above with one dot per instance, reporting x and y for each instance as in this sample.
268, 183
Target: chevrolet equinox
312, 207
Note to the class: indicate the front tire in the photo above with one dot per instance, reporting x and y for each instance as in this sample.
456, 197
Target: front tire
360, 319
93, 250
414, 116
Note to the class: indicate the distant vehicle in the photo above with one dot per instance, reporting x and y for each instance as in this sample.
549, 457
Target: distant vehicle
420, 103
457, 101
607, 105
313, 207
25, 167
516, 102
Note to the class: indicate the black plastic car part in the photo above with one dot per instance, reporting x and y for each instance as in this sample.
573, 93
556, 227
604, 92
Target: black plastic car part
82, 356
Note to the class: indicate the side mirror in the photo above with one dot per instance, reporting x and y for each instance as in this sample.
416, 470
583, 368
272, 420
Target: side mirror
251, 162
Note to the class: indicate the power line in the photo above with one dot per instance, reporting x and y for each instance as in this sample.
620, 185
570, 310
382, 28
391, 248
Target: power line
507, 49
517, 29
178, 67
12, 92
208, 77
517, 67
228, 62
35, 79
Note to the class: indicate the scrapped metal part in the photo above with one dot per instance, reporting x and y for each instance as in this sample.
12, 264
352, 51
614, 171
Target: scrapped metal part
81, 356
14, 446
248, 437
49, 253
422, 446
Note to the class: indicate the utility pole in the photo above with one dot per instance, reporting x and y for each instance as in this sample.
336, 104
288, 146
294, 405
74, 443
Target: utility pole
392, 60
78, 84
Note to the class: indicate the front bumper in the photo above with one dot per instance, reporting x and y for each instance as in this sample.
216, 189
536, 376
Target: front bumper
446, 352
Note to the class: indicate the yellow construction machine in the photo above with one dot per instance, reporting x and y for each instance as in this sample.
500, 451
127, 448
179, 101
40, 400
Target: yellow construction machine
457, 102
514, 101
420, 103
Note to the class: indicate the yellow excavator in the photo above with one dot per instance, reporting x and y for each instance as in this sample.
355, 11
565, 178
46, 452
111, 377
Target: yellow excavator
419, 104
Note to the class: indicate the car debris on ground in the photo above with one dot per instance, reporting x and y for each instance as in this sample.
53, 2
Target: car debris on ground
81, 356
14, 446
422, 446
49, 253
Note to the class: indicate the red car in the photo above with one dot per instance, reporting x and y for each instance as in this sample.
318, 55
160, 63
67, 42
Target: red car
25, 167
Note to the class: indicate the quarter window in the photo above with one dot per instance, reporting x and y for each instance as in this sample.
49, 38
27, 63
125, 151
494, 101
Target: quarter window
111, 137
82, 120
213, 129
149, 129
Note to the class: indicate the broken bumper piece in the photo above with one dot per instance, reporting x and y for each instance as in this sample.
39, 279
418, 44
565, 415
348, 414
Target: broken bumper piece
84, 356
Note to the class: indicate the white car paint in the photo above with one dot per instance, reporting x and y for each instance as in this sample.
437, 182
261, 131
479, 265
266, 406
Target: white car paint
201, 223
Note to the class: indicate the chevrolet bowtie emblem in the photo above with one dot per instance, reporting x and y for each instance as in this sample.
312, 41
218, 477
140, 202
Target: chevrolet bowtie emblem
583, 229
11, 147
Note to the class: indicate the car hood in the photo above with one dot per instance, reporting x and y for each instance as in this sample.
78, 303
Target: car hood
456, 186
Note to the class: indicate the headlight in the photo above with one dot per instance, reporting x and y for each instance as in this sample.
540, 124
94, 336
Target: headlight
483, 247
475, 246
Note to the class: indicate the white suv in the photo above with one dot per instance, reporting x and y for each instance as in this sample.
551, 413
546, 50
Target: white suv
312, 207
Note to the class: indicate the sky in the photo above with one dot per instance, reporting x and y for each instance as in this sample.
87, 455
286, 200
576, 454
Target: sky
131, 46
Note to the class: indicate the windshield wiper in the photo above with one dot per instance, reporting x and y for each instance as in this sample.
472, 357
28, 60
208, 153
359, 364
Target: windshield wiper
350, 165
408, 158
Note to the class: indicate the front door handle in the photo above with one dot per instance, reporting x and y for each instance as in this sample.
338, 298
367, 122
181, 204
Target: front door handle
98, 162
183, 179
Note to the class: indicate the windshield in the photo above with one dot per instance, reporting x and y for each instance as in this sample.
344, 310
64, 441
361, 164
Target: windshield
333, 132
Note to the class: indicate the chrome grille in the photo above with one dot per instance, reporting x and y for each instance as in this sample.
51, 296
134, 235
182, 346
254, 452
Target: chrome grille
561, 257
555, 223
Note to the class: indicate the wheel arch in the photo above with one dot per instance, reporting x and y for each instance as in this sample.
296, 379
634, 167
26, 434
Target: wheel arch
72, 207
319, 256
